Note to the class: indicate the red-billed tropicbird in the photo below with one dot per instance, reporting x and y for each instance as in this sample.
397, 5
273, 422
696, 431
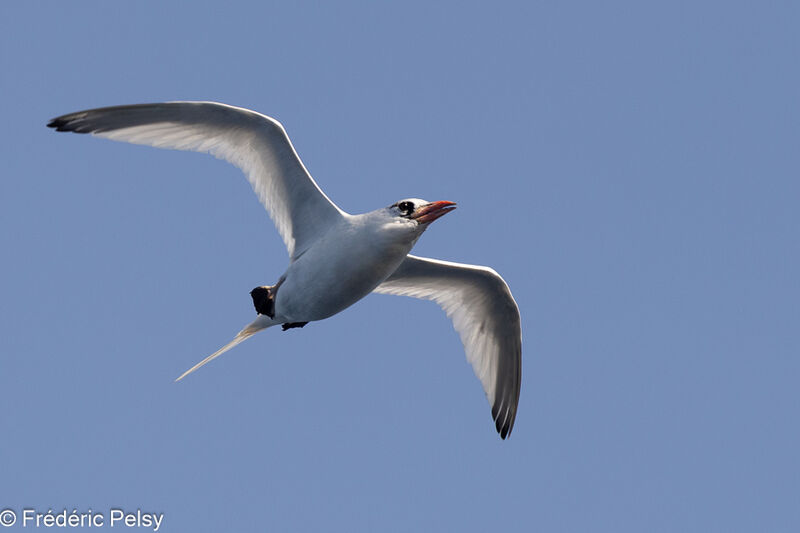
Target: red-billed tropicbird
335, 258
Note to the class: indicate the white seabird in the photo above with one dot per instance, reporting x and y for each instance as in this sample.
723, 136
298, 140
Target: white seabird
335, 258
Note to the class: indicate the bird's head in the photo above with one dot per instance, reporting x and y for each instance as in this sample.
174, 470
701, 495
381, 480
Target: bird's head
420, 212
405, 221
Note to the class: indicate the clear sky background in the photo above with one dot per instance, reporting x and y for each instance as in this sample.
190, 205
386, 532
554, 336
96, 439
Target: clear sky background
630, 168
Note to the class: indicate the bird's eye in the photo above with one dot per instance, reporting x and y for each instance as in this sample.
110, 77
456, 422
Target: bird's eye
406, 207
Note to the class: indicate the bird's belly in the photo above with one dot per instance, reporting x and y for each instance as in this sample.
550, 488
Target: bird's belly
323, 282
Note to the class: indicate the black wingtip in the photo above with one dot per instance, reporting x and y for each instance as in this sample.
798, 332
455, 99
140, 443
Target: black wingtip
72, 122
503, 424
504, 429
504, 432
60, 124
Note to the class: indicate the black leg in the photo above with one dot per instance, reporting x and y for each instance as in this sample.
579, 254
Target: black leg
264, 300
290, 325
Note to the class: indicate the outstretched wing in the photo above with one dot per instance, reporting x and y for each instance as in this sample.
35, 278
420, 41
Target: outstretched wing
255, 143
484, 313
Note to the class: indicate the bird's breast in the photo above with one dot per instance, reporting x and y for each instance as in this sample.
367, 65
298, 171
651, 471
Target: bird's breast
337, 271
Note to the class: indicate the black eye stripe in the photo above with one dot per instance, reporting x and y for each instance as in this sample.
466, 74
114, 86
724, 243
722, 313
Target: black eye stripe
405, 207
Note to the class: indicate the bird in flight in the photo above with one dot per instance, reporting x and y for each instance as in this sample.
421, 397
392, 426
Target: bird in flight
335, 258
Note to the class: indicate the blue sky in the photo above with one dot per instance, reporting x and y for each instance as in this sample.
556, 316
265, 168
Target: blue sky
630, 168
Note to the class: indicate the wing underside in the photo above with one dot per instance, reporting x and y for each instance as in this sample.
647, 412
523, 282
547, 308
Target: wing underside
486, 317
255, 143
